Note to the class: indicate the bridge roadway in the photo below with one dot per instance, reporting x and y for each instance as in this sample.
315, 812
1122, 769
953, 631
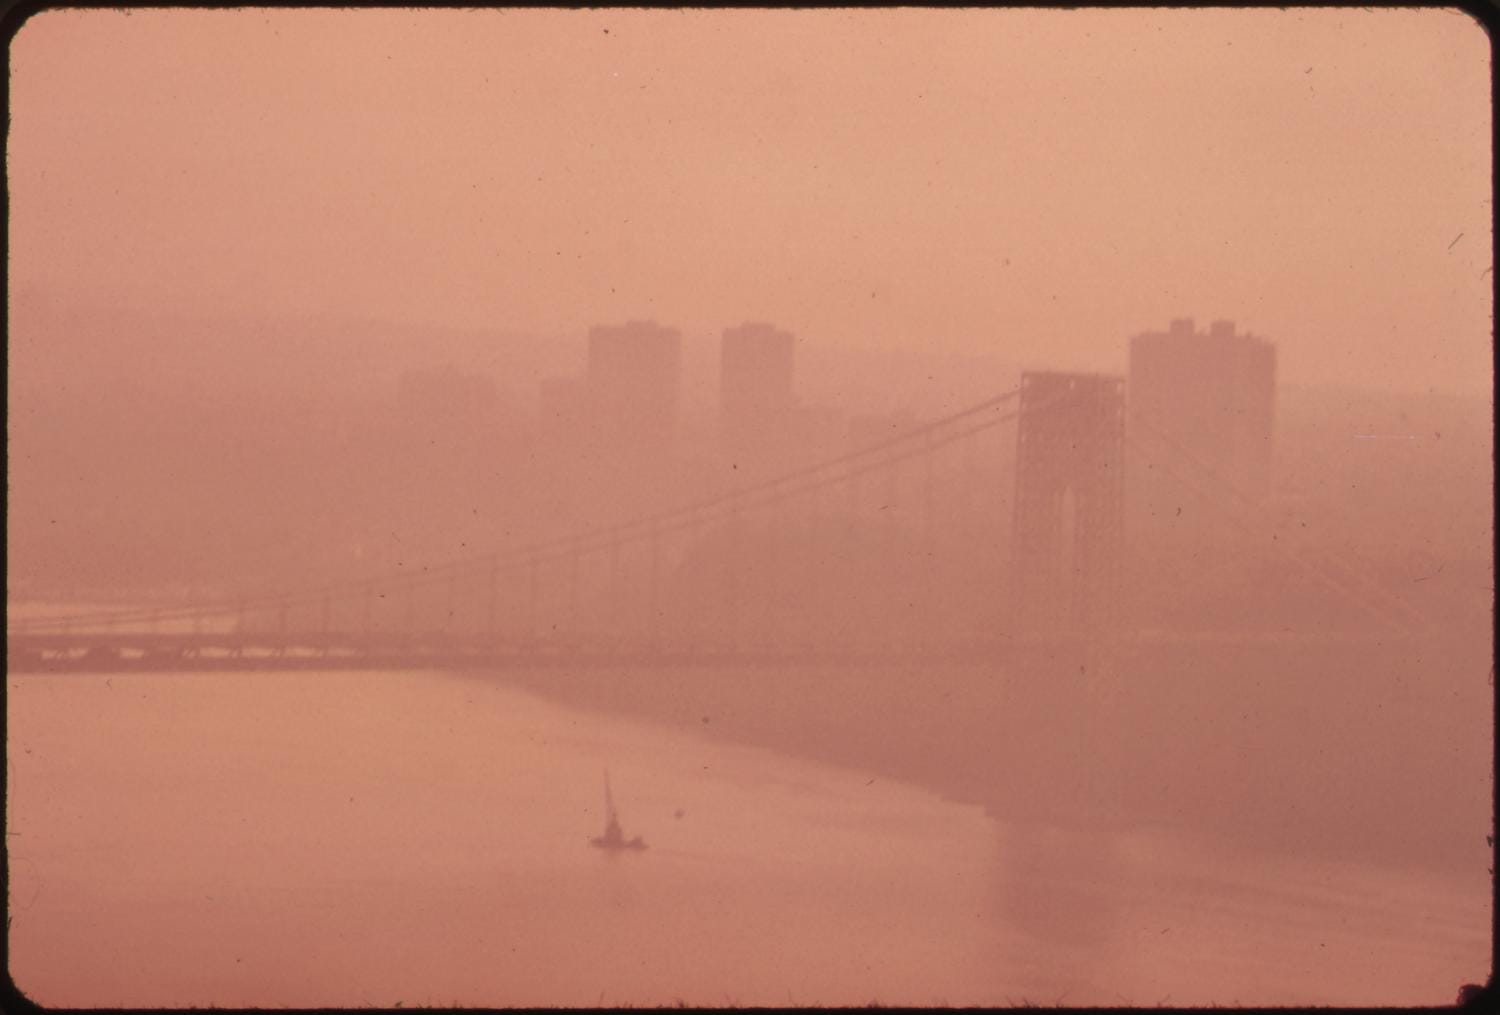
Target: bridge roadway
114, 652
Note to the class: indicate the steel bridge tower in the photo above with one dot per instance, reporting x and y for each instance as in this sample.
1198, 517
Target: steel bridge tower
1068, 528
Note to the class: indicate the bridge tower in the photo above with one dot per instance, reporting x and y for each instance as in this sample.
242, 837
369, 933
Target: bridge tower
1068, 528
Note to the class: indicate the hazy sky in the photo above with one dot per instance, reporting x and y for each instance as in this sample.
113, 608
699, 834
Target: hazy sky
1034, 185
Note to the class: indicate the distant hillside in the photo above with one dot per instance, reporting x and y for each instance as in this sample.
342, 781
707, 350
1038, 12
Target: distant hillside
58, 346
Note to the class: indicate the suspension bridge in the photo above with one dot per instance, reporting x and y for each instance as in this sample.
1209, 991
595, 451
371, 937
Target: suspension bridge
900, 549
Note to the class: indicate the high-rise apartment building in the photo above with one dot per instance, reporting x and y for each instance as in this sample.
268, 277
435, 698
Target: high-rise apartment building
1201, 418
755, 386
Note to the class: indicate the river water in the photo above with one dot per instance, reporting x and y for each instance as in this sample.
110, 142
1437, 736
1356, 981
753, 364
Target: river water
335, 839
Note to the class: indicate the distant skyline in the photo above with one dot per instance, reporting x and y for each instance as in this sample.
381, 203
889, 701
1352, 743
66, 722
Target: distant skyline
1032, 186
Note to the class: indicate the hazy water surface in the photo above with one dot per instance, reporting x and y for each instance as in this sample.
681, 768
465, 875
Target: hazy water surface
368, 838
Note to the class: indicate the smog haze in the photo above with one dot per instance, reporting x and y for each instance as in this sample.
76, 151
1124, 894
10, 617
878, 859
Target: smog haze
995, 504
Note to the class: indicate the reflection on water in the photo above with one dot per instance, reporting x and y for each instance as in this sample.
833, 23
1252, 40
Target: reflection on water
1151, 918
348, 839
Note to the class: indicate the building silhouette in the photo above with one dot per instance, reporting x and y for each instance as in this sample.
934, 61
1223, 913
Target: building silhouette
632, 384
1201, 419
756, 403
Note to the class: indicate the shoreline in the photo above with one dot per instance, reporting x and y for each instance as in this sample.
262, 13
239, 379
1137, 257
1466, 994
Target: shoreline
1365, 775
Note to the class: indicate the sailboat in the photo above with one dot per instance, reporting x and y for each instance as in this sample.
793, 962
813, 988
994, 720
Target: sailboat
613, 838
